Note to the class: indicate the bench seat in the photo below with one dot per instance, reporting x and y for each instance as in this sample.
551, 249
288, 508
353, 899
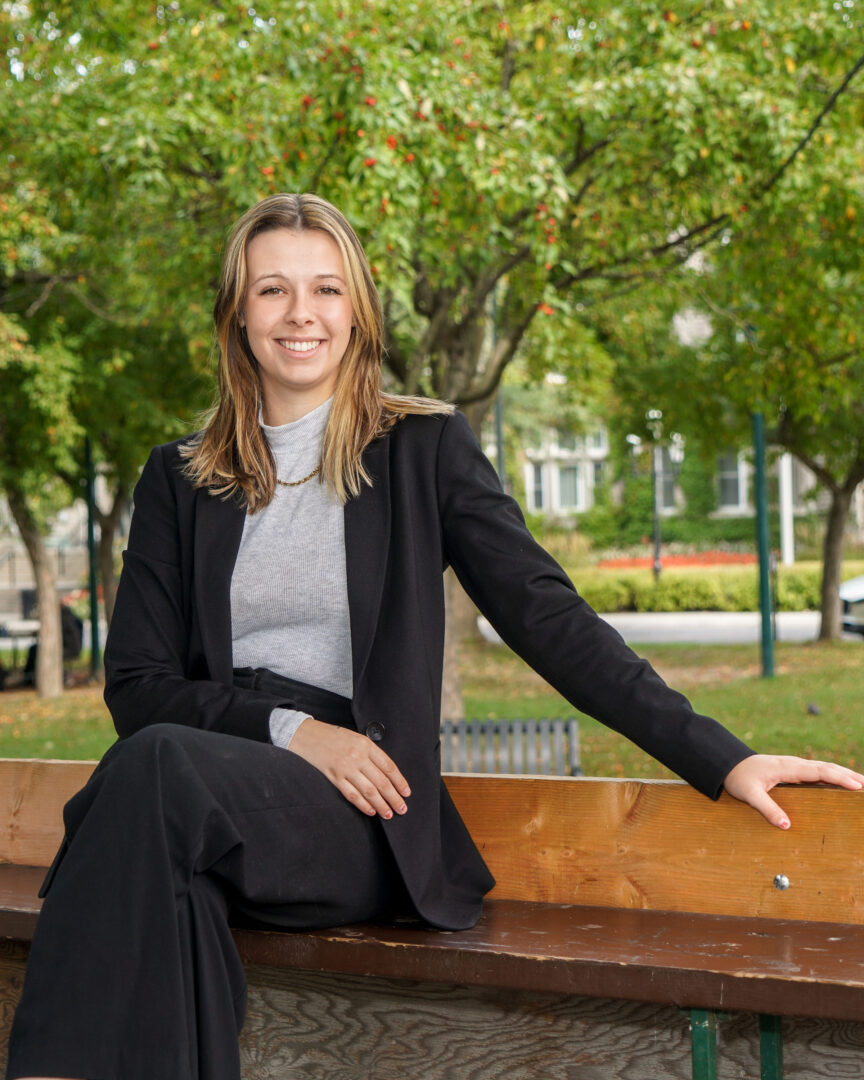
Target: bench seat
633, 895
693, 961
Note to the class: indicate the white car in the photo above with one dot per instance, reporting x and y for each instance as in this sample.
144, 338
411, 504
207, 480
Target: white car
852, 601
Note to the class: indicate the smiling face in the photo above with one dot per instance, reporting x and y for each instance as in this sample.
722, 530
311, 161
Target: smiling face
297, 314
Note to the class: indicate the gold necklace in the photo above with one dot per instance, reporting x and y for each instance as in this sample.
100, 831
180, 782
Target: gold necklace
297, 483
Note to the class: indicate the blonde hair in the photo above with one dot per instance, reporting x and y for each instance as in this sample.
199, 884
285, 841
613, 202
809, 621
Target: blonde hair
231, 456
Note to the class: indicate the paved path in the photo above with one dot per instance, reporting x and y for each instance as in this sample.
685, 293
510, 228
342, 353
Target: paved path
711, 627
704, 627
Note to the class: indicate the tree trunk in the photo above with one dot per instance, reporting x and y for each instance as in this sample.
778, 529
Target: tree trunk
49, 655
832, 563
107, 530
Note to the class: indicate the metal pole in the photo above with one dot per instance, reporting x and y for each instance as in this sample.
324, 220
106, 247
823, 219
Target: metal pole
703, 1044
771, 1047
761, 499
95, 650
656, 476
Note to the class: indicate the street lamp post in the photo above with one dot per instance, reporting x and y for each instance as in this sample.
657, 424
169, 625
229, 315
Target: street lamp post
655, 424
675, 449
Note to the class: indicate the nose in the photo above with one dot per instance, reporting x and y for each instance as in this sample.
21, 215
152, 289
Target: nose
297, 309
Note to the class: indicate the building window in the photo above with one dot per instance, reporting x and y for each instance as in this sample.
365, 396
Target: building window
598, 467
568, 487
597, 440
538, 486
729, 478
566, 440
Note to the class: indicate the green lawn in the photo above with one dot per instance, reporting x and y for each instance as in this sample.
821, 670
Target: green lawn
722, 680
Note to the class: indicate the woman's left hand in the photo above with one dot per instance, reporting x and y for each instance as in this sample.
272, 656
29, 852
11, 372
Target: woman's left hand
752, 779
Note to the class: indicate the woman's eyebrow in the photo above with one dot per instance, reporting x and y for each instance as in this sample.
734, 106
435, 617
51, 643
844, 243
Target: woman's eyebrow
279, 274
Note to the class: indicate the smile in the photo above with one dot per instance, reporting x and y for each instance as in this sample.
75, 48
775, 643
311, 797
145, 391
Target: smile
299, 346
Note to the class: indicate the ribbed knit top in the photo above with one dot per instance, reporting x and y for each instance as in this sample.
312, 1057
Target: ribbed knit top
289, 595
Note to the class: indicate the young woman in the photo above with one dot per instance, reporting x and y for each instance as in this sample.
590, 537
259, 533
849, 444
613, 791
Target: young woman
274, 673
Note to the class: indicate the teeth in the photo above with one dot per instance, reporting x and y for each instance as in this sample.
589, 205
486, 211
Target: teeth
300, 346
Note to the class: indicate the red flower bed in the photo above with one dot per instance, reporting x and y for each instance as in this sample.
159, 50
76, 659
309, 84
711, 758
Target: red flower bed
704, 558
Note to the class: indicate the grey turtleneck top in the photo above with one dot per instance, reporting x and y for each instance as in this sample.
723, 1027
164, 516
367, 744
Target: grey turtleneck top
289, 596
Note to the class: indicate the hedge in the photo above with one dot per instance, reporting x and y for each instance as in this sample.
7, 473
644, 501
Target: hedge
701, 588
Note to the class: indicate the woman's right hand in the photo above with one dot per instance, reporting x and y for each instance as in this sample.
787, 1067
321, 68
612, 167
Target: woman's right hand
366, 776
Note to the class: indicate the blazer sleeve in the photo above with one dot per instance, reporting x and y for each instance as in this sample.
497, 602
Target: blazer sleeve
148, 670
535, 608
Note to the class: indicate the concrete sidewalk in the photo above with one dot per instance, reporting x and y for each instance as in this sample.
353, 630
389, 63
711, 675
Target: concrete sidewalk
711, 627
703, 627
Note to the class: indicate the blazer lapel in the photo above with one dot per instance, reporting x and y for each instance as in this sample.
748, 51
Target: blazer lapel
367, 543
218, 529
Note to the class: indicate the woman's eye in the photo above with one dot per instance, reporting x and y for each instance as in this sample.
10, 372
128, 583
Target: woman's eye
330, 290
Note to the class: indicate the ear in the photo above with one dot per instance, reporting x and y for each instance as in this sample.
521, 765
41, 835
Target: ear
241, 319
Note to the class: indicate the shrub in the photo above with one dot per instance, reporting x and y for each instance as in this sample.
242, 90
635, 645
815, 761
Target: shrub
700, 589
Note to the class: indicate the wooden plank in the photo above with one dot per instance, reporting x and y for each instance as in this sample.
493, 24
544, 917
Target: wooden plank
789, 968
662, 845
32, 796
308, 1027
616, 843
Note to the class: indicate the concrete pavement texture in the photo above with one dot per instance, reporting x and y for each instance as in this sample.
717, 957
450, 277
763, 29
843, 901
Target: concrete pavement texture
702, 627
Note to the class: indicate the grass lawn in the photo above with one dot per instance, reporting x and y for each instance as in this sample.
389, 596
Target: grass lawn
721, 680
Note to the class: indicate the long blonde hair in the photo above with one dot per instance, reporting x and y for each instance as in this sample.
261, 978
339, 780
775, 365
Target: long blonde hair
231, 456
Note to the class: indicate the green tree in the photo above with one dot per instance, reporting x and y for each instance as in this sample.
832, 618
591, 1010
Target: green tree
36, 428
785, 298
476, 146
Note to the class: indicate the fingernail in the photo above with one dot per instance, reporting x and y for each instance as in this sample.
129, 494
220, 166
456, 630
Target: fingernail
389, 814
406, 791
784, 823
402, 809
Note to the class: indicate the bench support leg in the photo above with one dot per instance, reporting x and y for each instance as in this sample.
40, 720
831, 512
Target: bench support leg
703, 1040
771, 1045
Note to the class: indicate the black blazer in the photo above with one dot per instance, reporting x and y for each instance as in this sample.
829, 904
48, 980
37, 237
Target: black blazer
435, 500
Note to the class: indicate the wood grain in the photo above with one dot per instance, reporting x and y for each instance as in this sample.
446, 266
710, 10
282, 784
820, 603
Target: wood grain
662, 845
32, 796
303, 1026
613, 843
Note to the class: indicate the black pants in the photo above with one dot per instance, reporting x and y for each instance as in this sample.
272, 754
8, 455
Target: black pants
133, 974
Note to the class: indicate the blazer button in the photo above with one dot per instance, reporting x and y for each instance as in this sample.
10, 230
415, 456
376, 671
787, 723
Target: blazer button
375, 731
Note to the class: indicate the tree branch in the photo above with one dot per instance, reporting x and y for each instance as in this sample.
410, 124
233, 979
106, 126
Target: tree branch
829, 105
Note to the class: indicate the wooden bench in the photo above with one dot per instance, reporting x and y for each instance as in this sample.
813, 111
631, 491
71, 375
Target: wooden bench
618, 905
546, 747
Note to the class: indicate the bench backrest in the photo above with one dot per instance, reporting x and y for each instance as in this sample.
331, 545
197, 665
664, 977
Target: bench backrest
661, 845
545, 747
611, 843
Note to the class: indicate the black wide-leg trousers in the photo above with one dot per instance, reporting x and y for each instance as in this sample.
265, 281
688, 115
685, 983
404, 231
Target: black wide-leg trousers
133, 973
